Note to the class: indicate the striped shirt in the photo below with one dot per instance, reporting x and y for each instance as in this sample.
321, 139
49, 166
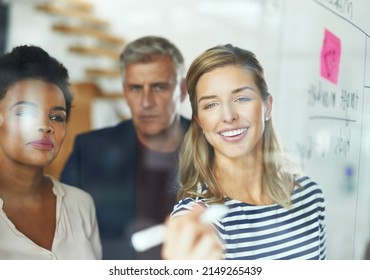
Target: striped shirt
272, 232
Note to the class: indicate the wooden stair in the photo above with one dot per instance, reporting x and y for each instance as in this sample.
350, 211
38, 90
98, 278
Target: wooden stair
95, 51
81, 5
101, 72
76, 18
85, 24
87, 31
74, 12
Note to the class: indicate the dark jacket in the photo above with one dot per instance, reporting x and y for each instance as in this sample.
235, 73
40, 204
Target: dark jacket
103, 163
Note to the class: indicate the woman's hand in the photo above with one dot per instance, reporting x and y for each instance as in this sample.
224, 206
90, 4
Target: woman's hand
187, 238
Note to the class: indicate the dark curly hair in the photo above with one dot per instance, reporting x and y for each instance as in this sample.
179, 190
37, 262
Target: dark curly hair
32, 62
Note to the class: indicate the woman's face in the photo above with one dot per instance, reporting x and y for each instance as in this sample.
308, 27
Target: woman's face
231, 111
32, 122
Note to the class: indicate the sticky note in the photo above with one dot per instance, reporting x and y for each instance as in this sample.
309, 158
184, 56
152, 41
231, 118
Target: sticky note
330, 57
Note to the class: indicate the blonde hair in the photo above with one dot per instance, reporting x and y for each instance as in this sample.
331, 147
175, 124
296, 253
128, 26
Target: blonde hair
197, 155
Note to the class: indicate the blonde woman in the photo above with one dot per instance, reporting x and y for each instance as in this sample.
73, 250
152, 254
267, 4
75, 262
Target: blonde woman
232, 155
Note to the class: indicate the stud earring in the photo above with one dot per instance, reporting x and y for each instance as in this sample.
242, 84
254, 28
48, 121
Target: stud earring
266, 119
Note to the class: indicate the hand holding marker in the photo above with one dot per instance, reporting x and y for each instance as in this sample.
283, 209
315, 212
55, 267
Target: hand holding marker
145, 239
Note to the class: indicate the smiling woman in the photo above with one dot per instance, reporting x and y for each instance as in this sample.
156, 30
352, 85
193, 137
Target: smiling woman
37, 212
231, 155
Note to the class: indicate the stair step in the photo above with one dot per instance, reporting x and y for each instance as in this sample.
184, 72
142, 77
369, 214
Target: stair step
80, 30
96, 51
100, 72
81, 5
72, 12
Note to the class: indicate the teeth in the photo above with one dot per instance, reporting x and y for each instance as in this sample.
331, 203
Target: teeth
233, 132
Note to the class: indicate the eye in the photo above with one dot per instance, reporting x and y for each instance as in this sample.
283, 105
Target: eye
243, 99
135, 88
25, 112
58, 117
160, 87
209, 106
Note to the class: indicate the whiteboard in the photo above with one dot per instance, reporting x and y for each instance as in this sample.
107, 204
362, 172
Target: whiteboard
322, 110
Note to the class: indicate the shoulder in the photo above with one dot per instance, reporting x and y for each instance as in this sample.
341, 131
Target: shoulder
307, 183
123, 128
307, 188
185, 205
185, 122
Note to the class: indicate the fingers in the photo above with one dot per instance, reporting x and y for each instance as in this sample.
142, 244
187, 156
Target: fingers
207, 247
187, 238
179, 238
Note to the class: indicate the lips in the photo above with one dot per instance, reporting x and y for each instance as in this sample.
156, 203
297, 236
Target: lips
42, 144
232, 133
147, 117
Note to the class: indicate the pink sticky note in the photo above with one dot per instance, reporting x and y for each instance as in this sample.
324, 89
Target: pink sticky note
330, 57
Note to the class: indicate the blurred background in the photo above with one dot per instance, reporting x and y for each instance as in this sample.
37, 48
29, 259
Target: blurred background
331, 143
87, 36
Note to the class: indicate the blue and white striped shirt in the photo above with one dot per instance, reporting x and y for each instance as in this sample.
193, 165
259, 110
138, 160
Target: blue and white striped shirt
272, 232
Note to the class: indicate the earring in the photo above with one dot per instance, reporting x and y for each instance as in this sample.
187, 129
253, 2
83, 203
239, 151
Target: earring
266, 119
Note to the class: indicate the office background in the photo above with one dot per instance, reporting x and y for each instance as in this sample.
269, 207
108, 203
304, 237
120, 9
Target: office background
316, 55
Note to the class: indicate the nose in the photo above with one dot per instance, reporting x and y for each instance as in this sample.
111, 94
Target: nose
228, 114
147, 99
46, 127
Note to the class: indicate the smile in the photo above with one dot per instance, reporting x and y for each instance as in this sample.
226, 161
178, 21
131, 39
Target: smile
231, 133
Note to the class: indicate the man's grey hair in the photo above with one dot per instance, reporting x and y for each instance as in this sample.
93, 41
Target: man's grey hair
145, 48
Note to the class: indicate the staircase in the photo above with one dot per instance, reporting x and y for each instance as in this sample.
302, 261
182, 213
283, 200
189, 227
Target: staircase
76, 18
93, 39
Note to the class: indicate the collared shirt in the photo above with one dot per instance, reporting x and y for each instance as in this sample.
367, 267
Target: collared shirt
76, 233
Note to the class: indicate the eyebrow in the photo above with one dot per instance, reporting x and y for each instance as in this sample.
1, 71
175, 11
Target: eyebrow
232, 92
150, 84
59, 108
56, 108
23, 103
242, 88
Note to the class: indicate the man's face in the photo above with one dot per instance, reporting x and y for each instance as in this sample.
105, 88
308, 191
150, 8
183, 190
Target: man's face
154, 94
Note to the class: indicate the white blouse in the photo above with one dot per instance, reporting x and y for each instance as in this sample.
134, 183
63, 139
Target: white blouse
76, 235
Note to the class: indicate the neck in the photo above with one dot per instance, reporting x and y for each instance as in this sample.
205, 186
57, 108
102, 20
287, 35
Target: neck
165, 141
21, 183
241, 179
